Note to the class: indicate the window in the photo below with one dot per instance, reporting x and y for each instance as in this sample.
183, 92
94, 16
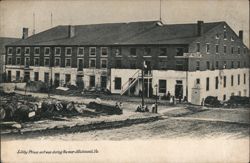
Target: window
224, 97
238, 50
217, 48
225, 34
132, 64
118, 52
67, 62
217, 36
103, 81
9, 76
225, 49
232, 80
163, 65
179, 51
118, 63
18, 51
80, 51
244, 79
46, 77
162, 86
27, 62
207, 84
36, 62
67, 78
163, 52
118, 83
224, 81
104, 51
198, 81
36, 76
47, 51
46, 62
232, 64
238, 64
147, 51
92, 63
179, 65
238, 79
37, 51
225, 64
57, 62
92, 51
133, 51
232, 50
57, 51
57, 79
197, 65
92, 81
239, 93
17, 75
208, 65
10, 50
217, 64
18, 60
68, 51
245, 50
27, 51
198, 47
216, 82
104, 63
80, 64
207, 48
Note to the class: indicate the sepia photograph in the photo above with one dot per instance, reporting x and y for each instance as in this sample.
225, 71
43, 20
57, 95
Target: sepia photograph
125, 81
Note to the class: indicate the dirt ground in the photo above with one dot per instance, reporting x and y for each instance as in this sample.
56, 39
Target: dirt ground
177, 122
198, 125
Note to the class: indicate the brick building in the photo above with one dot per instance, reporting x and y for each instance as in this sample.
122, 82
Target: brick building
4, 41
193, 60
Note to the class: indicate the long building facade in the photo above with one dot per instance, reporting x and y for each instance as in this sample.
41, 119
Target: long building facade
186, 60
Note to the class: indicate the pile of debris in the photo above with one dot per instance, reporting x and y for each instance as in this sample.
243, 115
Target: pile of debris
21, 108
106, 108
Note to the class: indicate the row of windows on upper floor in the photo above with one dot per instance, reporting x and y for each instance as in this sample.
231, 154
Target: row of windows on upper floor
92, 51
163, 64
225, 65
57, 62
225, 49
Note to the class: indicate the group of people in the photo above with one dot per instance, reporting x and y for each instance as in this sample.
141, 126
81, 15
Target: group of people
173, 100
144, 108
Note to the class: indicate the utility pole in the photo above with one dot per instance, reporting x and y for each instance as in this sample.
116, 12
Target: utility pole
142, 96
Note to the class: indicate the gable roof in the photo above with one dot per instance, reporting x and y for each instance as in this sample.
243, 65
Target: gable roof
4, 41
147, 32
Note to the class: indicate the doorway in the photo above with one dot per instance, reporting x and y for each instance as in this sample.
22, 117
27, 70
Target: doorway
178, 89
26, 76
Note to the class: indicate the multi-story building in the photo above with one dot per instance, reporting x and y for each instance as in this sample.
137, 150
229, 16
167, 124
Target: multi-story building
4, 41
193, 60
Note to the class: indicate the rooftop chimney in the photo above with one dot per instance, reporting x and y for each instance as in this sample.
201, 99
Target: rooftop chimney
241, 34
200, 27
71, 31
25, 33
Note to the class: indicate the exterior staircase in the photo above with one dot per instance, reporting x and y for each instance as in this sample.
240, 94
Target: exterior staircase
131, 82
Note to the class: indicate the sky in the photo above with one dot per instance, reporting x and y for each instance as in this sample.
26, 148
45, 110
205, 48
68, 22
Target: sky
16, 14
